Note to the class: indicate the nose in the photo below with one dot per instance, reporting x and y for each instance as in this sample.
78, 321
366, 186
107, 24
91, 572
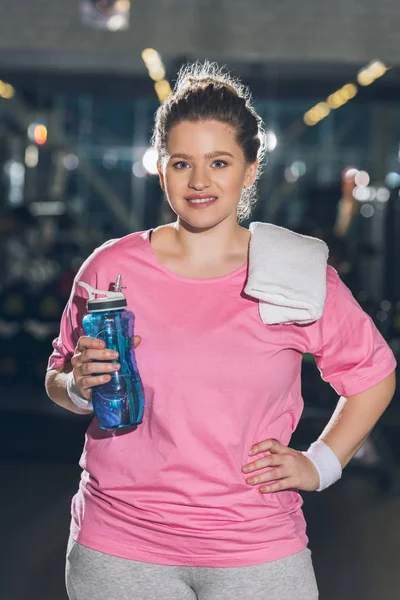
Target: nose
199, 179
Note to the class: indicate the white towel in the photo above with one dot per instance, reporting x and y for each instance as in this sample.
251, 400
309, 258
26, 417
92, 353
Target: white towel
287, 274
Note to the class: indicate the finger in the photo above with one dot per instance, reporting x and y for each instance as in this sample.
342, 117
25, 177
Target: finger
272, 446
97, 355
136, 341
96, 367
277, 473
273, 460
85, 383
277, 486
85, 342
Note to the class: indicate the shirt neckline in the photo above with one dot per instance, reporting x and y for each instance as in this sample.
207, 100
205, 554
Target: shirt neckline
173, 275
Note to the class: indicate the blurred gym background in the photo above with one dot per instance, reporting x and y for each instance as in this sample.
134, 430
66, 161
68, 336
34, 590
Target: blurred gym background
79, 84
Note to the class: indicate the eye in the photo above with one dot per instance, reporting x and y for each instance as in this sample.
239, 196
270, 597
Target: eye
181, 164
220, 163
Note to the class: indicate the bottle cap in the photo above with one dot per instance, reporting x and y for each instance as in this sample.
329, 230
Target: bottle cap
113, 300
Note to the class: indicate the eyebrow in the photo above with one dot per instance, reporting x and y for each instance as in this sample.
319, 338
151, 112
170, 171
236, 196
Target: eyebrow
209, 155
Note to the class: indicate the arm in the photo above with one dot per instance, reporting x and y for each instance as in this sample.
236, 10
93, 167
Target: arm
354, 358
355, 417
348, 428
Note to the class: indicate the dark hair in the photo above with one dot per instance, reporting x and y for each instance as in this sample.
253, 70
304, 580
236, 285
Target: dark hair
205, 91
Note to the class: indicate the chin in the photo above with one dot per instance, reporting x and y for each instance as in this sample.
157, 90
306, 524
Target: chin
206, 218
203, 222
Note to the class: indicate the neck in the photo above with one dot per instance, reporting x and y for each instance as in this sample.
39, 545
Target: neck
219, 243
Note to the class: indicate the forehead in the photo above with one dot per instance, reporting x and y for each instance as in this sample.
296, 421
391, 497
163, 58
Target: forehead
203, 135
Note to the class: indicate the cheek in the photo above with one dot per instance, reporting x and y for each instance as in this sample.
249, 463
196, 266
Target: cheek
173, 183
232, 180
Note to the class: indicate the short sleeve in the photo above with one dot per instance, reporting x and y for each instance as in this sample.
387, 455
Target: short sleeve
71, 321
349, 351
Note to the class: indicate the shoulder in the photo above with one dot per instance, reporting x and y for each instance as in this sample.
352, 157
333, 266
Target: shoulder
332, 282
341, 306
286, 238
114, 250
128, 243
337, 292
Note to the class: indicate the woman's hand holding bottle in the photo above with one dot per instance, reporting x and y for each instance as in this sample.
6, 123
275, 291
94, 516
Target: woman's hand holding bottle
87, 360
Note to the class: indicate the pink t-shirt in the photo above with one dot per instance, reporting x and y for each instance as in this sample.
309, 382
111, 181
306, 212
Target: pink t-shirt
217, 380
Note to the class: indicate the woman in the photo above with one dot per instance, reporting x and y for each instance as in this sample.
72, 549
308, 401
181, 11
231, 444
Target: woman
177, 509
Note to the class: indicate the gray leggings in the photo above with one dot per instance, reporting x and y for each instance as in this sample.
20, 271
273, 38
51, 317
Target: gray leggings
93, 575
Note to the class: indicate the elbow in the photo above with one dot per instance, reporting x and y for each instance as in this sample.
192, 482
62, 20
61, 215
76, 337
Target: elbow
49, 381
52, 380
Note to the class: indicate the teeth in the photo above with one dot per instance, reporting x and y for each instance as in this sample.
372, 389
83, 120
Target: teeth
200, 200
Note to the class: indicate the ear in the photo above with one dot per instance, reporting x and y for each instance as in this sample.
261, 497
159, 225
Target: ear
250, 174
161, 176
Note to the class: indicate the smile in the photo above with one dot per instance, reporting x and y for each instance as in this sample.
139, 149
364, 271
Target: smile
201, 200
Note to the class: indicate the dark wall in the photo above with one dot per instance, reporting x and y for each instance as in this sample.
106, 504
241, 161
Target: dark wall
49, 33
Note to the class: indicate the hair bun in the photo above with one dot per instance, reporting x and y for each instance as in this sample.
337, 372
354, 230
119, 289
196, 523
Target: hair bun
191, 81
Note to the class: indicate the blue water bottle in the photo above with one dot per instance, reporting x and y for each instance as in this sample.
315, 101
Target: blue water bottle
119, 402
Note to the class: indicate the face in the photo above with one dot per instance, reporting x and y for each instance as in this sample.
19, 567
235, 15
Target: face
204, 173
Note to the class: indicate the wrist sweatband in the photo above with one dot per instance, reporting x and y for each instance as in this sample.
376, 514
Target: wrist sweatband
74, 394
326, 462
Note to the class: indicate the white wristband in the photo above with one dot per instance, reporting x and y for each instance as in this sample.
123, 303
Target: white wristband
74, 394
326, 462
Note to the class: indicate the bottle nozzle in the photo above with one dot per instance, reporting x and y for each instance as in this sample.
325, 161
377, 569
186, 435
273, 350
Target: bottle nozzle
118, 283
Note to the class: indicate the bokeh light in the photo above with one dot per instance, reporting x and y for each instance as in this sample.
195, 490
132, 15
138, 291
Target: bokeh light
138, 169
367, 210
150, 161
38, 133
362, 179
382, 194
70, 162
392, 179
271, 141
31, 156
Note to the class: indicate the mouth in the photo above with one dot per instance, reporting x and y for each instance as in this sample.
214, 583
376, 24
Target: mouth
201, 202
